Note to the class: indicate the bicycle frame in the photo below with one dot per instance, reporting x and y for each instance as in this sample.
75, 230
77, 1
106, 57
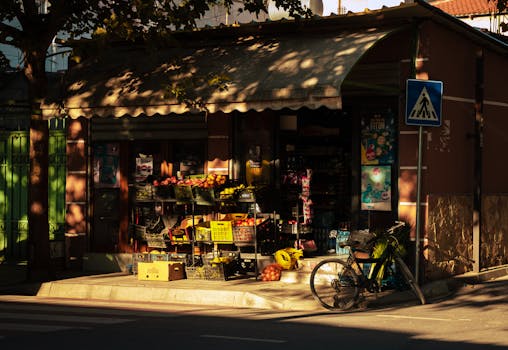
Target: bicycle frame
370, 281
365, 280
337, 283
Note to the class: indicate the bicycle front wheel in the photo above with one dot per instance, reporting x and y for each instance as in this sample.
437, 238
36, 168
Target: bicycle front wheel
334, 284
408, 276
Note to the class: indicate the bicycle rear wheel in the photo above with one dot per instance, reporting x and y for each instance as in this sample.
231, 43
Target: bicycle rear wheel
408, 276
334, 284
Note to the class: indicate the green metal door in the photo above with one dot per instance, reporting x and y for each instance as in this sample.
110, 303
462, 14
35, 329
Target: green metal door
14, 167
56, 179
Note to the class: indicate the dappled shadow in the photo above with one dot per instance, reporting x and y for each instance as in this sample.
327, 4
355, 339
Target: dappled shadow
233, 73
482, 296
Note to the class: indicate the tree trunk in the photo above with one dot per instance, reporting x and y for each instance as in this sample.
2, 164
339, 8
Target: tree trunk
38, 226
39, 267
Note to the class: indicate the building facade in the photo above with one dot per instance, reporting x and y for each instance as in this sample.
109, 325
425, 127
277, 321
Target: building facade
328, 95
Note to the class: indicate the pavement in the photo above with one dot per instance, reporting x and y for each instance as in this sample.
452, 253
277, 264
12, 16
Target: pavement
292, 292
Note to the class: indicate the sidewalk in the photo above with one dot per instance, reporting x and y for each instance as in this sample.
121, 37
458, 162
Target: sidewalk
244, 293
248, 293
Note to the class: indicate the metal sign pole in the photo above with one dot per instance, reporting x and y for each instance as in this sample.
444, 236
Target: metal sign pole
418, 201
423, 108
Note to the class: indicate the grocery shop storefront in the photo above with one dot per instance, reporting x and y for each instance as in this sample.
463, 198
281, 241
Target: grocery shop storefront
267, 101
280, 115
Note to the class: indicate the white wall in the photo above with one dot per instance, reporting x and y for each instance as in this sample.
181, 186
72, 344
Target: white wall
332, 6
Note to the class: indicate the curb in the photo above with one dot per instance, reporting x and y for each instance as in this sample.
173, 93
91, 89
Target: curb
260, 295
160, 293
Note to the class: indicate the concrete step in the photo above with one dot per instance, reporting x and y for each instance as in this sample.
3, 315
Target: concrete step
295, 276
305, 266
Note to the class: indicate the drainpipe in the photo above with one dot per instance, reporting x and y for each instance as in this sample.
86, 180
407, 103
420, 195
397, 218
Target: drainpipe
413, 75
478, 148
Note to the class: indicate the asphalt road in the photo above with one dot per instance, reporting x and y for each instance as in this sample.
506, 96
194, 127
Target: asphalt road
476, 318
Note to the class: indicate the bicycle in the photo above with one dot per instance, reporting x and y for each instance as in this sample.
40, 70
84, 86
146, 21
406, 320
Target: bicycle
337, 283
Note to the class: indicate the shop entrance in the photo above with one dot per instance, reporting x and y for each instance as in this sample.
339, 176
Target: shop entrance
315, 172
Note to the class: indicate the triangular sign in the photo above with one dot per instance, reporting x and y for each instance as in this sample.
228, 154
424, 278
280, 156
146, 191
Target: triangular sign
423, 108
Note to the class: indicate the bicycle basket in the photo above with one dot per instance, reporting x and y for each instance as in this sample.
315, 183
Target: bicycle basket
361, 239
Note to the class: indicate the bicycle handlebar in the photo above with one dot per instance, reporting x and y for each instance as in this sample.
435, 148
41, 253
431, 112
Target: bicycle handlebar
388, 233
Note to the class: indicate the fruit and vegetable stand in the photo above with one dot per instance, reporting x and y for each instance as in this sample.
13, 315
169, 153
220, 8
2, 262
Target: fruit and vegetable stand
209, 240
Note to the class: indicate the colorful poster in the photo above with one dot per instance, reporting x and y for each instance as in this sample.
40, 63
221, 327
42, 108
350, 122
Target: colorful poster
378, 139
376, 187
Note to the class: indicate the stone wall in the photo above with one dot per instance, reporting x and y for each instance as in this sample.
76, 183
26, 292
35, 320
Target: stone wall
449, 234
494, 239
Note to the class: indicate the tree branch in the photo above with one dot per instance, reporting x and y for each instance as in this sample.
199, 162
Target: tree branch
30, 8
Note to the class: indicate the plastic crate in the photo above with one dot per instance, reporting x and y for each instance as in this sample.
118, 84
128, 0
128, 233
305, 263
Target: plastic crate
183, 194
203, 232
215, 272
243, 235
144, 192
221, 231
137, 258
159, 257
155, 240
204, 196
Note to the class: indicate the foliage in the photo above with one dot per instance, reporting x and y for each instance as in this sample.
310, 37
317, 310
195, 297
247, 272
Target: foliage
502, 8
4, 63
32, 25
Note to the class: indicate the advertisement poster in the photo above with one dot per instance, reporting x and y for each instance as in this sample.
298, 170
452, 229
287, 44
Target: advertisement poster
105, 165
144, 167
378, 138
376, 187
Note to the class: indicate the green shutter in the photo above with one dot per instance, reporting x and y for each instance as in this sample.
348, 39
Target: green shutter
4, 196
56, 179
13, 196
14, 169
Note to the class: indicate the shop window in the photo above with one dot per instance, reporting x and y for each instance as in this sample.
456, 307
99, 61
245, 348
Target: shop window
161, 159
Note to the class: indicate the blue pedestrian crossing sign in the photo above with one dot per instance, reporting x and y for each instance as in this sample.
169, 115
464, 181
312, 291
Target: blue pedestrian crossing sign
423, 102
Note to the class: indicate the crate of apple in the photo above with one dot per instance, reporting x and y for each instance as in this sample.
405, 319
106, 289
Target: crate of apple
243, 230
249, 222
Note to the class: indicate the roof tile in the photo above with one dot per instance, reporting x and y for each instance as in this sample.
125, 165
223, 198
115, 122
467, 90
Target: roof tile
465, 7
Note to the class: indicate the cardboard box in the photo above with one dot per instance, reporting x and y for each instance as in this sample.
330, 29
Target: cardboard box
160, 271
